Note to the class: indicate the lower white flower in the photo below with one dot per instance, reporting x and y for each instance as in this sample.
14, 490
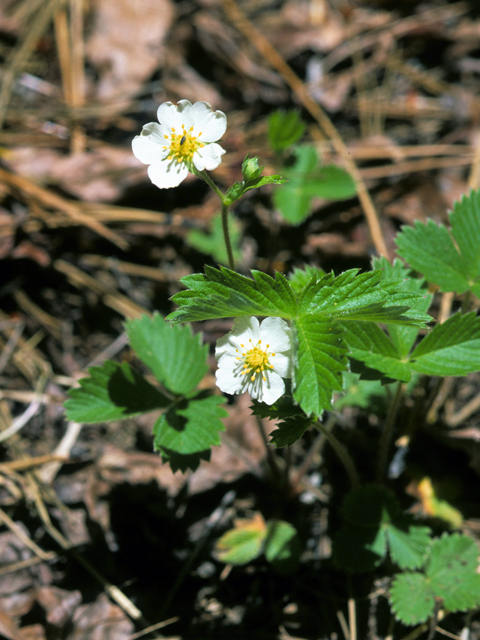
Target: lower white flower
255, 358
185, 139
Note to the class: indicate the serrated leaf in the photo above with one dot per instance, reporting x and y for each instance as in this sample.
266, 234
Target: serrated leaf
403, 337
321, 360
222, 293
176, 357
451, 348
300, 278
284, 129
244, 543
408, 543
430, 249
191, 425
307, 180
411, 598
213, 243
452, 571
181, 462
290, 430
368, 343
362, 297
112, 392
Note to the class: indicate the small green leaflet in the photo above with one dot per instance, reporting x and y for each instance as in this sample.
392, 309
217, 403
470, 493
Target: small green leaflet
285, 128
450, 261
306, 180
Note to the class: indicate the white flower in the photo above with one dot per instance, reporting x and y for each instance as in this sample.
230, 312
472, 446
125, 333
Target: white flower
255, 358
184, 139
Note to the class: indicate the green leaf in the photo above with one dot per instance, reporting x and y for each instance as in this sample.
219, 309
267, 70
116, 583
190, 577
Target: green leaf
213, 243
368, 343
222, 293
451, 348
321, 361
404, 337
307, 180
290, 430
411, 598
453, 264
183, 462
176, 357
294, 422
407, 543
285, 128
112, 392
300, 278
282, 547
452, 572
191, 425
366, 394
354, 296
244, 543
359, 549
369, 506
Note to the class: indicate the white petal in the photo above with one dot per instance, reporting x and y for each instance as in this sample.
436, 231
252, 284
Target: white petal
230, 381
210, 124
170, 115
282, 364
166, 174
276, 333
147, 147
208, 157
270, 390
246, 327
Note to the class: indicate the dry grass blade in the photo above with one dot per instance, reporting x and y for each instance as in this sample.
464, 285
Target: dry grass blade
46, 198
38, 25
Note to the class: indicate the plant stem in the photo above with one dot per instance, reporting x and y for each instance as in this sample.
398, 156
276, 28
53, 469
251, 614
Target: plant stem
387, 434
226, 236
226, 233
341, 452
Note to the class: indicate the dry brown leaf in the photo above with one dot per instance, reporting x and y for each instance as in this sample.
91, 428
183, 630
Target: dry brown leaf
59, 604
101, 620
127, 43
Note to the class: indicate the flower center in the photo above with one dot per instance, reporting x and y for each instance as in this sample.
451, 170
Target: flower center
183, 145
255, 359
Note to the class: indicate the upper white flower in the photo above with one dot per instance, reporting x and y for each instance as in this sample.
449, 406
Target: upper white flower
185, 138
255, 358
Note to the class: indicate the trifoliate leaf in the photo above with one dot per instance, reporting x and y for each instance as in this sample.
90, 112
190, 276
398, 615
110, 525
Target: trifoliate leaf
452, 572
306, 180
430, 249
112, 392
213, 243
222, 293
191, 425
450, 349
285, 128
411, 598
320, 362
244, 543
176, 357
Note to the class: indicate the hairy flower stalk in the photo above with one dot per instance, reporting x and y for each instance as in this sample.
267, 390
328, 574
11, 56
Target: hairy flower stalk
255, 358
183, 142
